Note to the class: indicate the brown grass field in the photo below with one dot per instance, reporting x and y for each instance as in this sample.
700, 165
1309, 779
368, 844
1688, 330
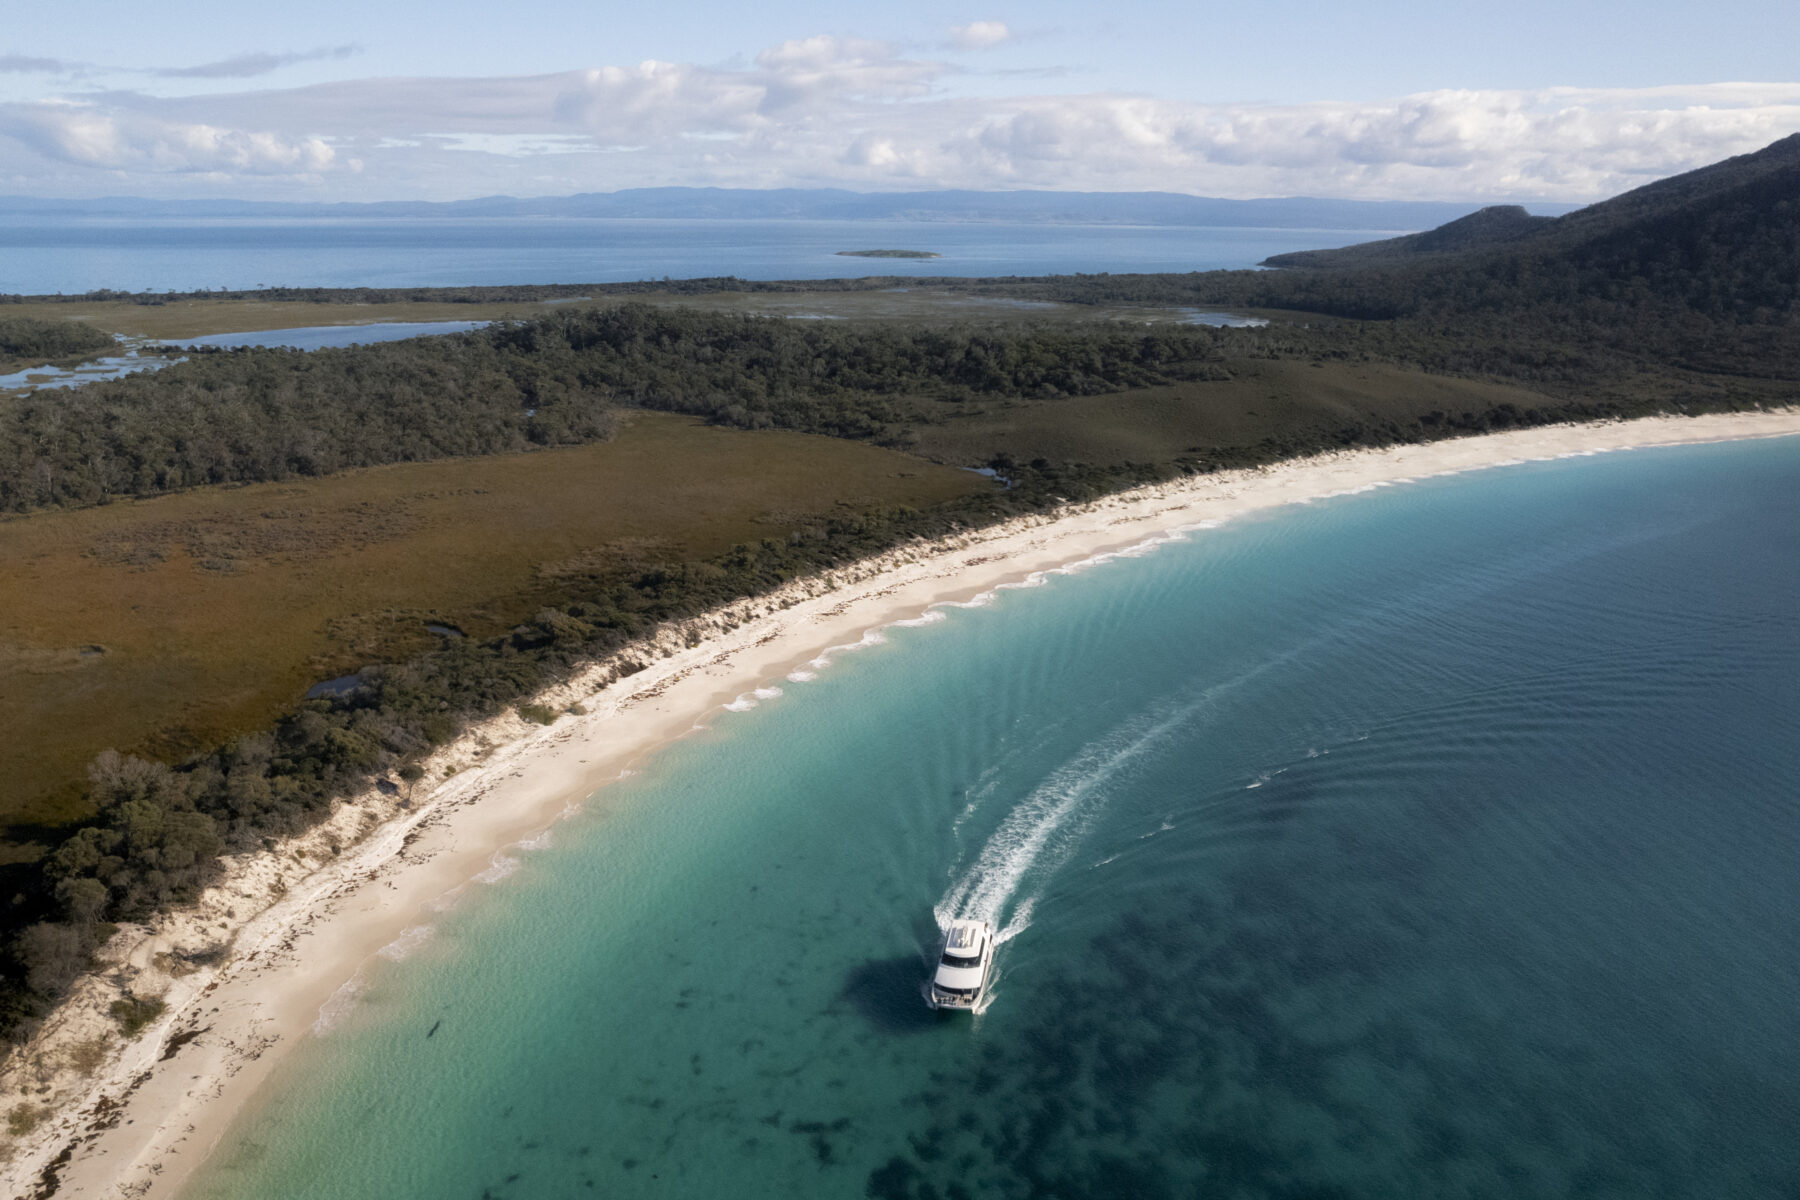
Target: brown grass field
167, 625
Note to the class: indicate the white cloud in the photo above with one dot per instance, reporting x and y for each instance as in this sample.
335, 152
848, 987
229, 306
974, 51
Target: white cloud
1562, 143
857, 113
91, 137
979, 35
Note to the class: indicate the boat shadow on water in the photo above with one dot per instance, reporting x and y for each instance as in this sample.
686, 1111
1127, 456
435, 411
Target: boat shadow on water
889, 993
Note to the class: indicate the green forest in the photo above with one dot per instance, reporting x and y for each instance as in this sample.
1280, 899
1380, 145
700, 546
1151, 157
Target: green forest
27, 342
261, 414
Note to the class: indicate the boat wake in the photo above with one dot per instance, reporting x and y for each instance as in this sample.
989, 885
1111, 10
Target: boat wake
1010, 874
1043, 830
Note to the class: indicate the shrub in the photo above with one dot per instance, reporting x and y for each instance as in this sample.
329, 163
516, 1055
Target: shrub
133, 1014
22, 1118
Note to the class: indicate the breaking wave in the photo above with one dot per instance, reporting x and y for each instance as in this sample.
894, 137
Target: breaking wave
340, 1003
408, 941
502, 868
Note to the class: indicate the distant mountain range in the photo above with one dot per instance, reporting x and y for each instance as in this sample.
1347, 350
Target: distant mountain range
818, 204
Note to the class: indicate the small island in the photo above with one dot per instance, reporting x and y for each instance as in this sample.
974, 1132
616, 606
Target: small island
889, 254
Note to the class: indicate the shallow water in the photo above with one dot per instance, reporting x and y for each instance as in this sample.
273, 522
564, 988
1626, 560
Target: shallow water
311, 337
111, 366
1434, 841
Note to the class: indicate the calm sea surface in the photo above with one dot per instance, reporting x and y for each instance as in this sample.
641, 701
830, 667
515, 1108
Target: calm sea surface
43, 257
1438, 841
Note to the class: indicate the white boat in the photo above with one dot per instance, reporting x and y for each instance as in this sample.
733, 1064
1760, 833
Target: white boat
964, 966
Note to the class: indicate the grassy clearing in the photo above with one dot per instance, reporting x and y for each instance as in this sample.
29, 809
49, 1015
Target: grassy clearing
170, 624
1264, 400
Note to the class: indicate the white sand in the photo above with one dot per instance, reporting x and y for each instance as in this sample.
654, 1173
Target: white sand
298, 924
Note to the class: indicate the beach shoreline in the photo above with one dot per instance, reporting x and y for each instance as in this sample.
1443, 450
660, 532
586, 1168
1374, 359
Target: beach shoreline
268, 956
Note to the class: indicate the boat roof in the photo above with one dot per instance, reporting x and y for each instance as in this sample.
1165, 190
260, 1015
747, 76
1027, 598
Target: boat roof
964, 935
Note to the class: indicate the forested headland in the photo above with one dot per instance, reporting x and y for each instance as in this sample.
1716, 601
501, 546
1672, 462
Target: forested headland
1678, 297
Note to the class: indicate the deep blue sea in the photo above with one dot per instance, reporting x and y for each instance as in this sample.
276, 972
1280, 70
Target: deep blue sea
1439, 841
42, 256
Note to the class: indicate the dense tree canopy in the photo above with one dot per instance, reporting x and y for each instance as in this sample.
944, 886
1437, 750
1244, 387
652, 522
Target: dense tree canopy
27, 341
261, 414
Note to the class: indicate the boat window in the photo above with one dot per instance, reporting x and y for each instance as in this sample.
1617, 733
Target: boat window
951, 960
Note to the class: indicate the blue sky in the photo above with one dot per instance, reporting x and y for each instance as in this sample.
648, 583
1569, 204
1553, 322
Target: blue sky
340, 100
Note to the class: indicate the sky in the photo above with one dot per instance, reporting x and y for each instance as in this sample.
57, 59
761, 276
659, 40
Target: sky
369, 100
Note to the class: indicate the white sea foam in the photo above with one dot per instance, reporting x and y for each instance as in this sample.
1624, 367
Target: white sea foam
766, 693
742, 704
340, 1003
929, 617
1021, 921
537, 841
802, 675
979, 600
502, 868
1265, 777
408, 941
447, 901
984, 787
870, 637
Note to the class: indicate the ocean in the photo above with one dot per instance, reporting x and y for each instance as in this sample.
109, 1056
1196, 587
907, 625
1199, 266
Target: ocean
47, 256
1432, 841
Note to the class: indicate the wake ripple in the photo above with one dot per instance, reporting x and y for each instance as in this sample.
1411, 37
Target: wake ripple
1044, 829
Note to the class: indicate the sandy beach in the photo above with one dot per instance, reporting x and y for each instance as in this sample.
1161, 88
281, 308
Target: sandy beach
267, 958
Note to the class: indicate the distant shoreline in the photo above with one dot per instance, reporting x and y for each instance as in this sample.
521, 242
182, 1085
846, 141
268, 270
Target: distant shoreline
889, 254
150, 1114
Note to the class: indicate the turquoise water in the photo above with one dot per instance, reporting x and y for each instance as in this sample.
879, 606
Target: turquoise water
1436, 841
